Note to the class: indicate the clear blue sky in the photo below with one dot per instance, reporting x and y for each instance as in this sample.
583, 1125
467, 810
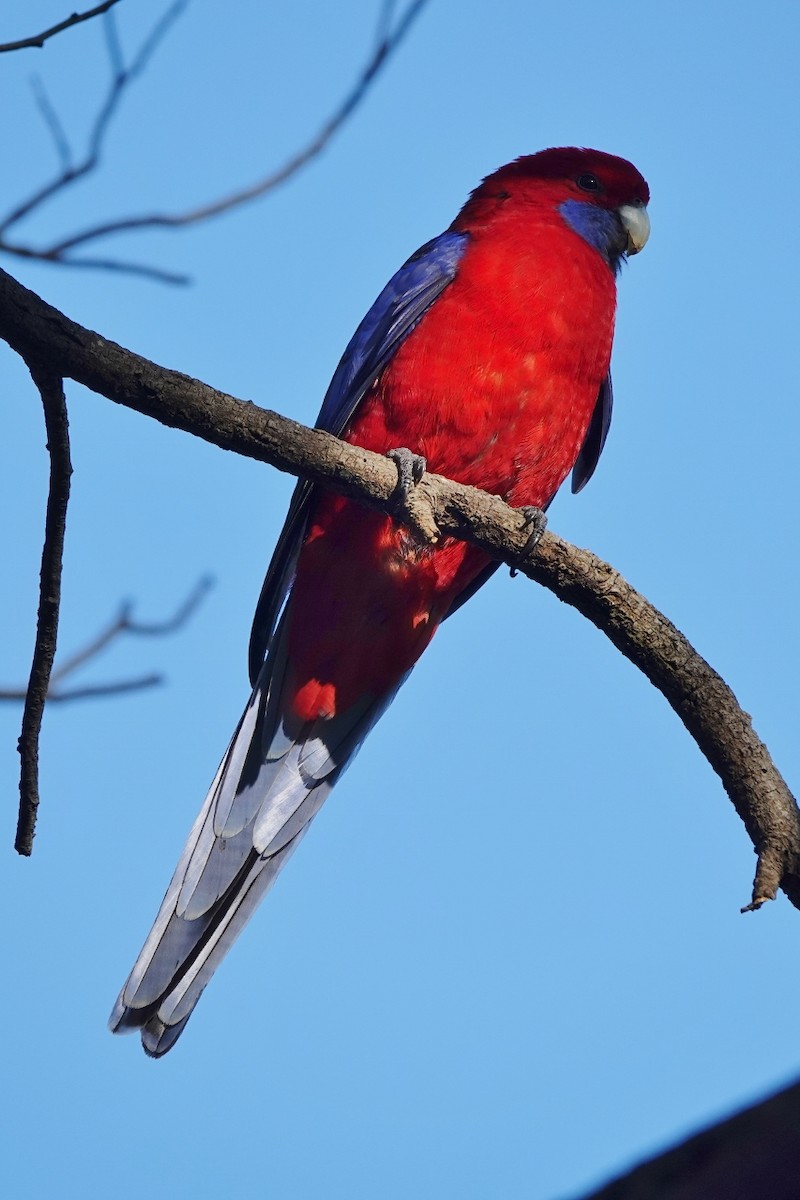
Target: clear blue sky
509, 959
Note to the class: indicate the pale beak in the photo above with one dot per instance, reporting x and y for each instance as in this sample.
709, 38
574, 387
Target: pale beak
636, 224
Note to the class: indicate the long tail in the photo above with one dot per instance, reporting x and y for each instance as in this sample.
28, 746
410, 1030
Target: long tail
273, 780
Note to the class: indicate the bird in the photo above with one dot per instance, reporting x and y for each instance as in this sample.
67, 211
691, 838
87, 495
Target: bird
486, 358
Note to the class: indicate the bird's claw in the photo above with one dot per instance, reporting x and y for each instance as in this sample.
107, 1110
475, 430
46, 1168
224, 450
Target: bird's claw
410, 469
410, 506
535, 524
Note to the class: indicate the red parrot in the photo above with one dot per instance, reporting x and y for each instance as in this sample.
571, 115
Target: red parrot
488, 354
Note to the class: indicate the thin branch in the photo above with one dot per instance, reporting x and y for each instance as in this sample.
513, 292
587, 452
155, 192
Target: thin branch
44, 684
121, 78
385, 18
314, 147
117, 266
53, 123
114, 48
91, 691
703, 701
123, 623
386, 45
92, 649
39, 39
104, 264
701, 698
51, 390
102, 691
179, 618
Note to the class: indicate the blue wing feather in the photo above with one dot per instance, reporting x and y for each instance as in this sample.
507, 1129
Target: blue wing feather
595, 438
402, 303
404, 300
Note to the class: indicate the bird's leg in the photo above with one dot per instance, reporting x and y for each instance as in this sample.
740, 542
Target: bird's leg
410, 469
410, 505
535, 525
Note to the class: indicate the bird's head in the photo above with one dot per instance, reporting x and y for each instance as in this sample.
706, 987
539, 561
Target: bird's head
601, 197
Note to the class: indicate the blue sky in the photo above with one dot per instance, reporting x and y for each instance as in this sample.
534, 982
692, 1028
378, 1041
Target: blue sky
508, 960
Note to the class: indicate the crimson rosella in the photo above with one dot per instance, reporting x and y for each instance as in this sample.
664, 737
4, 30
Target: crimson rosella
488, 355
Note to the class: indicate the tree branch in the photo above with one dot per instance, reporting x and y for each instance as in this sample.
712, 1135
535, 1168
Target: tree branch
121, 624
51, 390
39, 39
121, 78
44, 680
53, 123
700, 697
115, 265
752, 1155
59, 252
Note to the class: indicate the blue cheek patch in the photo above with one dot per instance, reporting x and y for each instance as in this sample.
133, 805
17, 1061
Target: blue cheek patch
597, 226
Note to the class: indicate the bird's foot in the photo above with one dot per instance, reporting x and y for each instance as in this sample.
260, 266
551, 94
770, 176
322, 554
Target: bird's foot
410, 469
409, 505
535, 525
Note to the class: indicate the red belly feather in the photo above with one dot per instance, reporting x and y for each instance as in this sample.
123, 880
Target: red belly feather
496, 388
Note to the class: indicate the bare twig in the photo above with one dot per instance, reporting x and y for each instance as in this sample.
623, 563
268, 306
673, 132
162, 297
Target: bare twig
91, 691
51, 390
39, 39
109, 264
385, 18
123, 623
102, 691
183, 612
387, 42
703, 701
53, 123
122, 77
43, 686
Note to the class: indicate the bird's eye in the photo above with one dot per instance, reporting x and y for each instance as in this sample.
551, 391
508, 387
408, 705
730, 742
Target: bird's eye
588, 183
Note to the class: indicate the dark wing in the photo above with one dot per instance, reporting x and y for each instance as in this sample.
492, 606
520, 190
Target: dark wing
401, 304
595, 438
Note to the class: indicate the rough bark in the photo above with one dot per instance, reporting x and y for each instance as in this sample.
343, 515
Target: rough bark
439, 507
51, 390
